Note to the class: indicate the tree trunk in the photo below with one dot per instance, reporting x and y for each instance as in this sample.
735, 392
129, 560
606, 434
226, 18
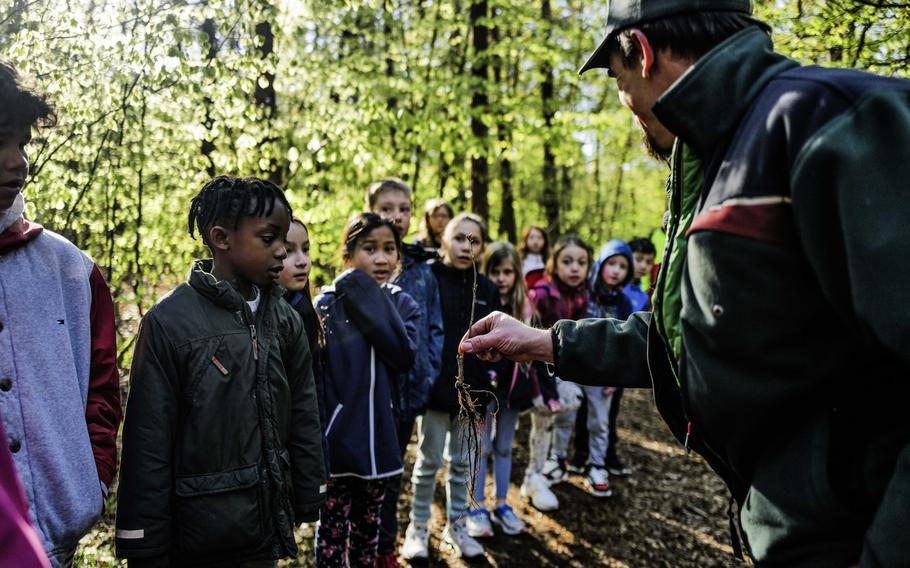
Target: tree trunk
392, 101
264, 97
480, 167
507, 224
550, 193
208, 146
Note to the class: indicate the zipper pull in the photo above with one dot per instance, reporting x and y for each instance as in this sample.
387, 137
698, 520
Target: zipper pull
255, 342
688, 434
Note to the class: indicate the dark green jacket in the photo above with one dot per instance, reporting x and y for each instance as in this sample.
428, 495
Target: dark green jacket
793, 369
222, 445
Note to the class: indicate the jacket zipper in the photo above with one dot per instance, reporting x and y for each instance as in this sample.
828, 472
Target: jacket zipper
676, 196
674, 190
255, 341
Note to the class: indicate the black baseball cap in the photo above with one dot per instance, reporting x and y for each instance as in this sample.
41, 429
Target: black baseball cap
624, 14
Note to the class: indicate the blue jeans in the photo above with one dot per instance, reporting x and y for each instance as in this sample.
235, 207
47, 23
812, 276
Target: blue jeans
497, 440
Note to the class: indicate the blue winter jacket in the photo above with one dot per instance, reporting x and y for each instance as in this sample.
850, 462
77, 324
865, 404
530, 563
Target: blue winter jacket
417, 280
641, 302
371, 338
610, 303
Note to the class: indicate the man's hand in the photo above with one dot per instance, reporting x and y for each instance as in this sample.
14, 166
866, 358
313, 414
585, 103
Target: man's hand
498, 335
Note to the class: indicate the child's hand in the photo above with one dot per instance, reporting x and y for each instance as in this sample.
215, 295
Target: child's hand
608, 391
544, 407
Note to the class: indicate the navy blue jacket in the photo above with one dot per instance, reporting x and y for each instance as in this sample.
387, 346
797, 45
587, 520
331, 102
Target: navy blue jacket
417, 280
371, 337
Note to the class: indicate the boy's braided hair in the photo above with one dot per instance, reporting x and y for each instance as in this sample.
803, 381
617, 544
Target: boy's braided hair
226, 199
21, 104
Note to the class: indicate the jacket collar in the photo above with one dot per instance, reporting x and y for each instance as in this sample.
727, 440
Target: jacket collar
223, 292
705, 104
453, 272
17, 234
412, 254
557, 289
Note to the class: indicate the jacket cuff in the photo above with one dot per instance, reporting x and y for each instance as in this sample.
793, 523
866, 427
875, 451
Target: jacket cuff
554, 368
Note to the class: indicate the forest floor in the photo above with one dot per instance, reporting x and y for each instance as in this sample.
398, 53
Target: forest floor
670, 513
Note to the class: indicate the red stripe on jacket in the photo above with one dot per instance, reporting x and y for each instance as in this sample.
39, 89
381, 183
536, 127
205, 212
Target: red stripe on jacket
103, 411
767, 222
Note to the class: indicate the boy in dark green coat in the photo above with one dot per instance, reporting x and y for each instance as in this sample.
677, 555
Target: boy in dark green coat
222, 450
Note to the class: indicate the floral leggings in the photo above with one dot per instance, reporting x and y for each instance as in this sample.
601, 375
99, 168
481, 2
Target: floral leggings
348, 531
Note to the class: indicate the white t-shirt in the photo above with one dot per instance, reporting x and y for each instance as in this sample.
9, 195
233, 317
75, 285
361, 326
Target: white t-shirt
254, 303
532, 262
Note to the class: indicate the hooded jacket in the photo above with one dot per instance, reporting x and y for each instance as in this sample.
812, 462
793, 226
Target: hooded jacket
371, 338
554, 301
790, 370
315, 336
417, 280
222, 448
59, 381
610, 303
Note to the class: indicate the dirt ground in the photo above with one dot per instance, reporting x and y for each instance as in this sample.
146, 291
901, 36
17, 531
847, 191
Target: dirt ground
671, 512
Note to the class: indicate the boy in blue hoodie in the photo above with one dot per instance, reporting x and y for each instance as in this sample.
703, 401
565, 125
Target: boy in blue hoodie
594, 435
392, 199
643, 253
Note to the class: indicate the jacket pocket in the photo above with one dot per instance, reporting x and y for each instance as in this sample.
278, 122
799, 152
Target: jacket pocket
335, 414
219, 511
792, 502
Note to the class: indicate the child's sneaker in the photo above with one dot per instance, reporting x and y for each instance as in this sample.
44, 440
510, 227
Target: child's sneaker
416, 541
617, 468
578, 467
556, 470
478, 523
536, 488
598, 482
462, 544
508, 521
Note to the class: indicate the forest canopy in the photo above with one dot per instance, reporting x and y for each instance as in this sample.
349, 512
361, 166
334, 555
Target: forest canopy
476, 101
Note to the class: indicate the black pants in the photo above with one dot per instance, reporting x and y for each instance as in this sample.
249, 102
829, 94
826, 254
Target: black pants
580, 455
388, 529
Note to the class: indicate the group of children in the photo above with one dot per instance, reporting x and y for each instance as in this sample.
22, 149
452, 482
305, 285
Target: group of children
253, 408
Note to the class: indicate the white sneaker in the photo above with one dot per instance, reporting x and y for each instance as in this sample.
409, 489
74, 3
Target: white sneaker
598, 482
462, 544
556, 470
536, 488
478, 524
416, 541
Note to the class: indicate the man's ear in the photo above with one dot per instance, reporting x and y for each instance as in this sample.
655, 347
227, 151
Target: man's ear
219, 238
647, 54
